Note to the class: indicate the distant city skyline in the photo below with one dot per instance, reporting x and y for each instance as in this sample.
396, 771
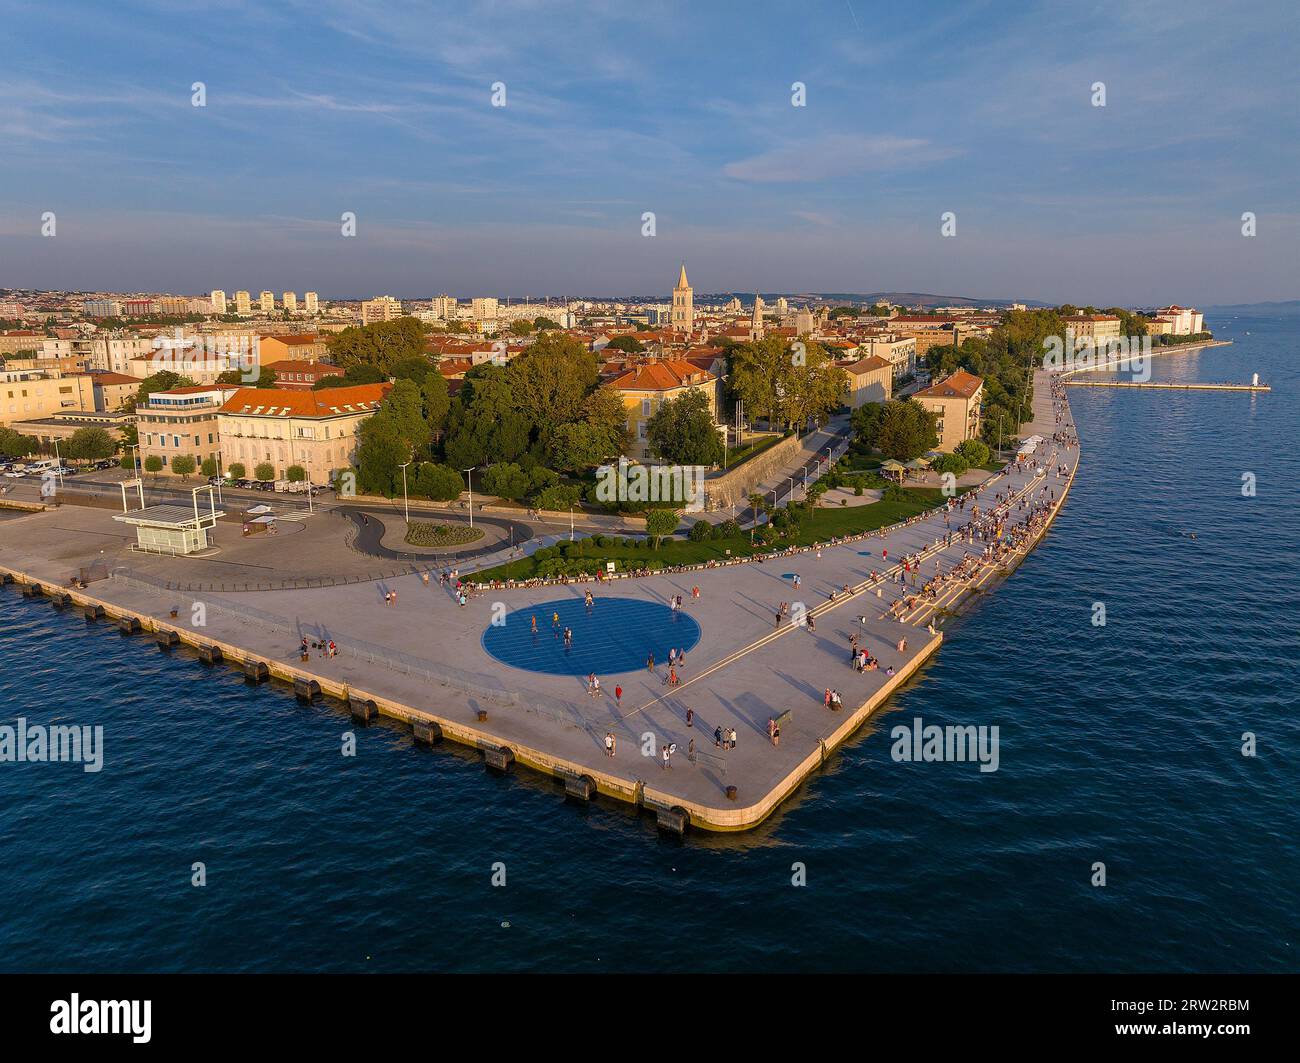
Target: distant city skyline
611, 111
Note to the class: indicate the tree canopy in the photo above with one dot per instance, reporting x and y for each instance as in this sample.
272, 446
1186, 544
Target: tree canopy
682, 431
382, 345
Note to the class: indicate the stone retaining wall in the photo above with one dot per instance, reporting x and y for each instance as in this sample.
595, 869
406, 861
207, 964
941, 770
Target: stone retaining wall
733, 488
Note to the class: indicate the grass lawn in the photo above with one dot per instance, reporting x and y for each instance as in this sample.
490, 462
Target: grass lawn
826, 523
737, 455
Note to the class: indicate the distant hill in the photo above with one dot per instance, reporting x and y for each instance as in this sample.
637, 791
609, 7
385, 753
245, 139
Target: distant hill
1290, 306
923, 299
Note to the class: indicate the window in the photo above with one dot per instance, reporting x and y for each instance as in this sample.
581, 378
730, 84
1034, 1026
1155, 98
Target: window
645, 407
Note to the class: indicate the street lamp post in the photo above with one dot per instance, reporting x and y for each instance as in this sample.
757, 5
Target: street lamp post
137, 471
406, 504
470, 474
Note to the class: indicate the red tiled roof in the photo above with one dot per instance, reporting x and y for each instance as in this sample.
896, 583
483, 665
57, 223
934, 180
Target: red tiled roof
662, 376
868, 364
960, 385
329, 402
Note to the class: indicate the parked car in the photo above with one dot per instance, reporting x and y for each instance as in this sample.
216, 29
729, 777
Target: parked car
243, 483
266, 485
106, 464
217, 481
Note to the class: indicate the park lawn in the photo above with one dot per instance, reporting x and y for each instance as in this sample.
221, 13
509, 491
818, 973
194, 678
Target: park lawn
738, 455
826, 523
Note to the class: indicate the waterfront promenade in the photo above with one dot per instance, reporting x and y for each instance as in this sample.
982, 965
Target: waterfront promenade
422, 657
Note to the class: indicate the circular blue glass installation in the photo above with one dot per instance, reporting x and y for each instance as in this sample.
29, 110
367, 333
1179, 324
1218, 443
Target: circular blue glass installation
614, 635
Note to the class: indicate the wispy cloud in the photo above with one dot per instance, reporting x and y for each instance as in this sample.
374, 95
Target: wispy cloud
837, 155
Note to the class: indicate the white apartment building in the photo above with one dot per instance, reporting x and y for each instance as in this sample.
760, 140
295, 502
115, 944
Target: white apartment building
380, 308
218, 301
310, 302
266, 302
243, 304
290, 302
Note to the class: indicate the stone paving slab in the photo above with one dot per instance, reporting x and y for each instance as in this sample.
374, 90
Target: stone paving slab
744, 670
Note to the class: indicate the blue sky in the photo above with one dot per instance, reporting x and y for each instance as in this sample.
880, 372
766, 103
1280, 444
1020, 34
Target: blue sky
683, 109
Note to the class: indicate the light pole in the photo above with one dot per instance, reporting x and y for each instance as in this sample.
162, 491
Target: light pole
137, 471
406, 505
470, 474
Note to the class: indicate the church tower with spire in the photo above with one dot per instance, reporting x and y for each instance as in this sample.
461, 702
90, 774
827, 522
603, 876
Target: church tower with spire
756, 322
683, 316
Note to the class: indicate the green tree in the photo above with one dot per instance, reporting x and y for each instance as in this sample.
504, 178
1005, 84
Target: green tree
265, 378
404, 405
552, 378
540, 323
381, 449
237, 470
628, 343
90, 444
183, 465
865, 422
264, 471
16, 445
521, 327
415, 368
505, 480
360, 373
975, 452
659, 523
163, 380
558, 497
295, 474
441, 483
153, 464
682, 431
437, 403
209, 467
381, 345
907, 430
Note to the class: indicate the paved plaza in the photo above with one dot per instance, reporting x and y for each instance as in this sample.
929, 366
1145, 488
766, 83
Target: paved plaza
411, 641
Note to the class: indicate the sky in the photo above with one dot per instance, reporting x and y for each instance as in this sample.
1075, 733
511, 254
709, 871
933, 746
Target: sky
384, 108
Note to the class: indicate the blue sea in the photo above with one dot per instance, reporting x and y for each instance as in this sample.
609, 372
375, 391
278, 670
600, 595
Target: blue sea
1121, 745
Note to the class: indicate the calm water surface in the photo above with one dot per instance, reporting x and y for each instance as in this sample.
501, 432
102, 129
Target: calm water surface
1119, 744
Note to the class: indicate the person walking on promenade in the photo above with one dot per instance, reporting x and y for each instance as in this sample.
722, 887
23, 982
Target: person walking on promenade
650, 662
771, 730
667, 754
690, 717
609, 743
778, 618
826, 697
618, 695
731, 737
717, 737
812, 623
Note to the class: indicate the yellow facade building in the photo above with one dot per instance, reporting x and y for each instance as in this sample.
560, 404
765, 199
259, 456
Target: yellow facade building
956, 399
